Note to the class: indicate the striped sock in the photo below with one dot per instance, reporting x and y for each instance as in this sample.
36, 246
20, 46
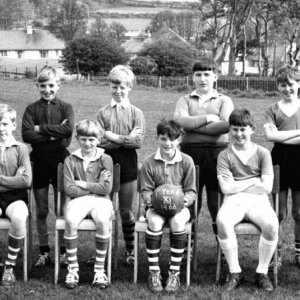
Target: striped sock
101, 249
177, 240
297, 248
14, 244
153, 243
71, 252
128, 232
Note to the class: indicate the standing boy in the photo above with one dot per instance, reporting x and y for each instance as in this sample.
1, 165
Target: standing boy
124, 130
47, 125
283, 128
204, 114
15, 178
245, 175
88, 182
167, 165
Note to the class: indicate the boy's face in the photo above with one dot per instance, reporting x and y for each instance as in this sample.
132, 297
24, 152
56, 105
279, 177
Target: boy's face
48, 89
119, 91
204, 80
7, 126
240, 135
289, 90
167, 146
88, 144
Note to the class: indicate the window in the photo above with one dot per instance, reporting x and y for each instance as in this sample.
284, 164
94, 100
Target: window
3, 53
20, 54
44, 53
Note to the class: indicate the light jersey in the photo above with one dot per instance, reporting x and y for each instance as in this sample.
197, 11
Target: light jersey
244, 156
87, 160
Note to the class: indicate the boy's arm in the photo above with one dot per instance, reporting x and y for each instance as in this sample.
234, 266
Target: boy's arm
182, 116
62, 130
147, 183
28, 134
189, 182
272, 134
22, 178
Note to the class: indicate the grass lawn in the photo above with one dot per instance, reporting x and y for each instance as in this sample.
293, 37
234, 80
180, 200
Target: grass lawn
86, 99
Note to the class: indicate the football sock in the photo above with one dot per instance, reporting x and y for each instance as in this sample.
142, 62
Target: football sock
266, 250
44, 249
101, 249
177, 241
71, 251
14, 244
128, 232
297, 248
153, 243
230, 249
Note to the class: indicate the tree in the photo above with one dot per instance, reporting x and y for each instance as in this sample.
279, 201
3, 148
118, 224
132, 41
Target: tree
92, 55
68, 20
99, 28
142, 65
171, 59
117, 32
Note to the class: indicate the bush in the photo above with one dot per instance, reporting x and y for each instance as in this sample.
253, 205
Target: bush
30, 74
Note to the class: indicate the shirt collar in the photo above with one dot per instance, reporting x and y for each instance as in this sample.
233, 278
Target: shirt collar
54, 101
176, 158
125, 103
99, 152
11, 142
211, 95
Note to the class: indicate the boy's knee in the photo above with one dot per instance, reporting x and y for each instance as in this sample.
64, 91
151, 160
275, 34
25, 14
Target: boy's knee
270, 231
126, 215
42, 213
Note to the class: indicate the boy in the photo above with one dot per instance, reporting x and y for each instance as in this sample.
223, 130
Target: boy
167, 165
88, 181
124, 127
15, 178
245, 175
47, 125
283, 128
204, 114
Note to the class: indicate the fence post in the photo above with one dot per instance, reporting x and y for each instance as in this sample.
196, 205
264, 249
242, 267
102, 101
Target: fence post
247, 83
16, 71
187, 80
159, 82
88, 77
5, 72
36, 71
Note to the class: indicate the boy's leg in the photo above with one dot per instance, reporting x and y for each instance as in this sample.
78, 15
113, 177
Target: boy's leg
127, 195
296, 217
153, 239
17, 212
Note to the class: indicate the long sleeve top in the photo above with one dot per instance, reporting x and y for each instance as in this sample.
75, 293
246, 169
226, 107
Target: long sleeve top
13, 156
127, 121
96, 185
49, 115
191, 114
180, 171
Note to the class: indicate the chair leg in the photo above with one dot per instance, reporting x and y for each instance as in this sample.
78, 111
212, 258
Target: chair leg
56, 258
116, 243
25, 256
188, 264
275, 268
30, 230
195, 254
218, 272
136, 252
109, 254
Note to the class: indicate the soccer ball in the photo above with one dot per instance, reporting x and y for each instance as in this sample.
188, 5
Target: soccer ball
167, 200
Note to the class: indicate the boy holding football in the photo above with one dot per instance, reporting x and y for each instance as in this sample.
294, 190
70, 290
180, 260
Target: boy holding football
167, 166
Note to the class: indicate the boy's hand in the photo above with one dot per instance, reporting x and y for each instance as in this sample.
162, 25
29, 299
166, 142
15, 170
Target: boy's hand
20, 171
81, 184
105, 174
186, 201
110, 135
36, 128
212, 118
270, 126
64, 122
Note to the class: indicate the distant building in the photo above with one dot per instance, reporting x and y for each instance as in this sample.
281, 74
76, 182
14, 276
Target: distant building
30, 43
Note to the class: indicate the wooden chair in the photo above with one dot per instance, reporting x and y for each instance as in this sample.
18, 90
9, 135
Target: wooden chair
5, 224
248, 228
86, 224
141, 227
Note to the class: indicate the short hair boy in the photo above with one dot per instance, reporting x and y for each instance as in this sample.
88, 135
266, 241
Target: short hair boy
47, 125
124, 131
204, 114
283, 128
15, 178
88, 178
245, 175
167, 165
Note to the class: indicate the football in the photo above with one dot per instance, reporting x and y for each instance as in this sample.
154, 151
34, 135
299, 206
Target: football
167, 199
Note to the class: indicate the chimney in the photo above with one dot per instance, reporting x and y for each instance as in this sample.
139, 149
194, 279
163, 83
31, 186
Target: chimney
29, 29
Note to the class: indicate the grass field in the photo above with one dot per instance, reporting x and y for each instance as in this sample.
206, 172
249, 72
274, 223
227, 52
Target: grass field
86, 99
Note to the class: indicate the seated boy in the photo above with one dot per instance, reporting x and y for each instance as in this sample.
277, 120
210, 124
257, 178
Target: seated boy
88, 182
167, 165
245, 176
15, 178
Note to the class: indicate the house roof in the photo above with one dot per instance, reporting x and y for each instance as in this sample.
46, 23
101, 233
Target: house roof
40, 39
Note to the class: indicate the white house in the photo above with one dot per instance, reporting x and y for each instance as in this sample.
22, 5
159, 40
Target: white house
30, 43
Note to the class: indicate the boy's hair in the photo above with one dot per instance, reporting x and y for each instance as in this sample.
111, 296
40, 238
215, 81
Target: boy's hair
169, 127
205, 64
48, 73
115, 75
241, 117
89, 128
287, 73
7, 110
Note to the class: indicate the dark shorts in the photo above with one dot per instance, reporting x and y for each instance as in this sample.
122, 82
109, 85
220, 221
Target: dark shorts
9, 197
45, 168
288, 158
205, 157
127, 158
